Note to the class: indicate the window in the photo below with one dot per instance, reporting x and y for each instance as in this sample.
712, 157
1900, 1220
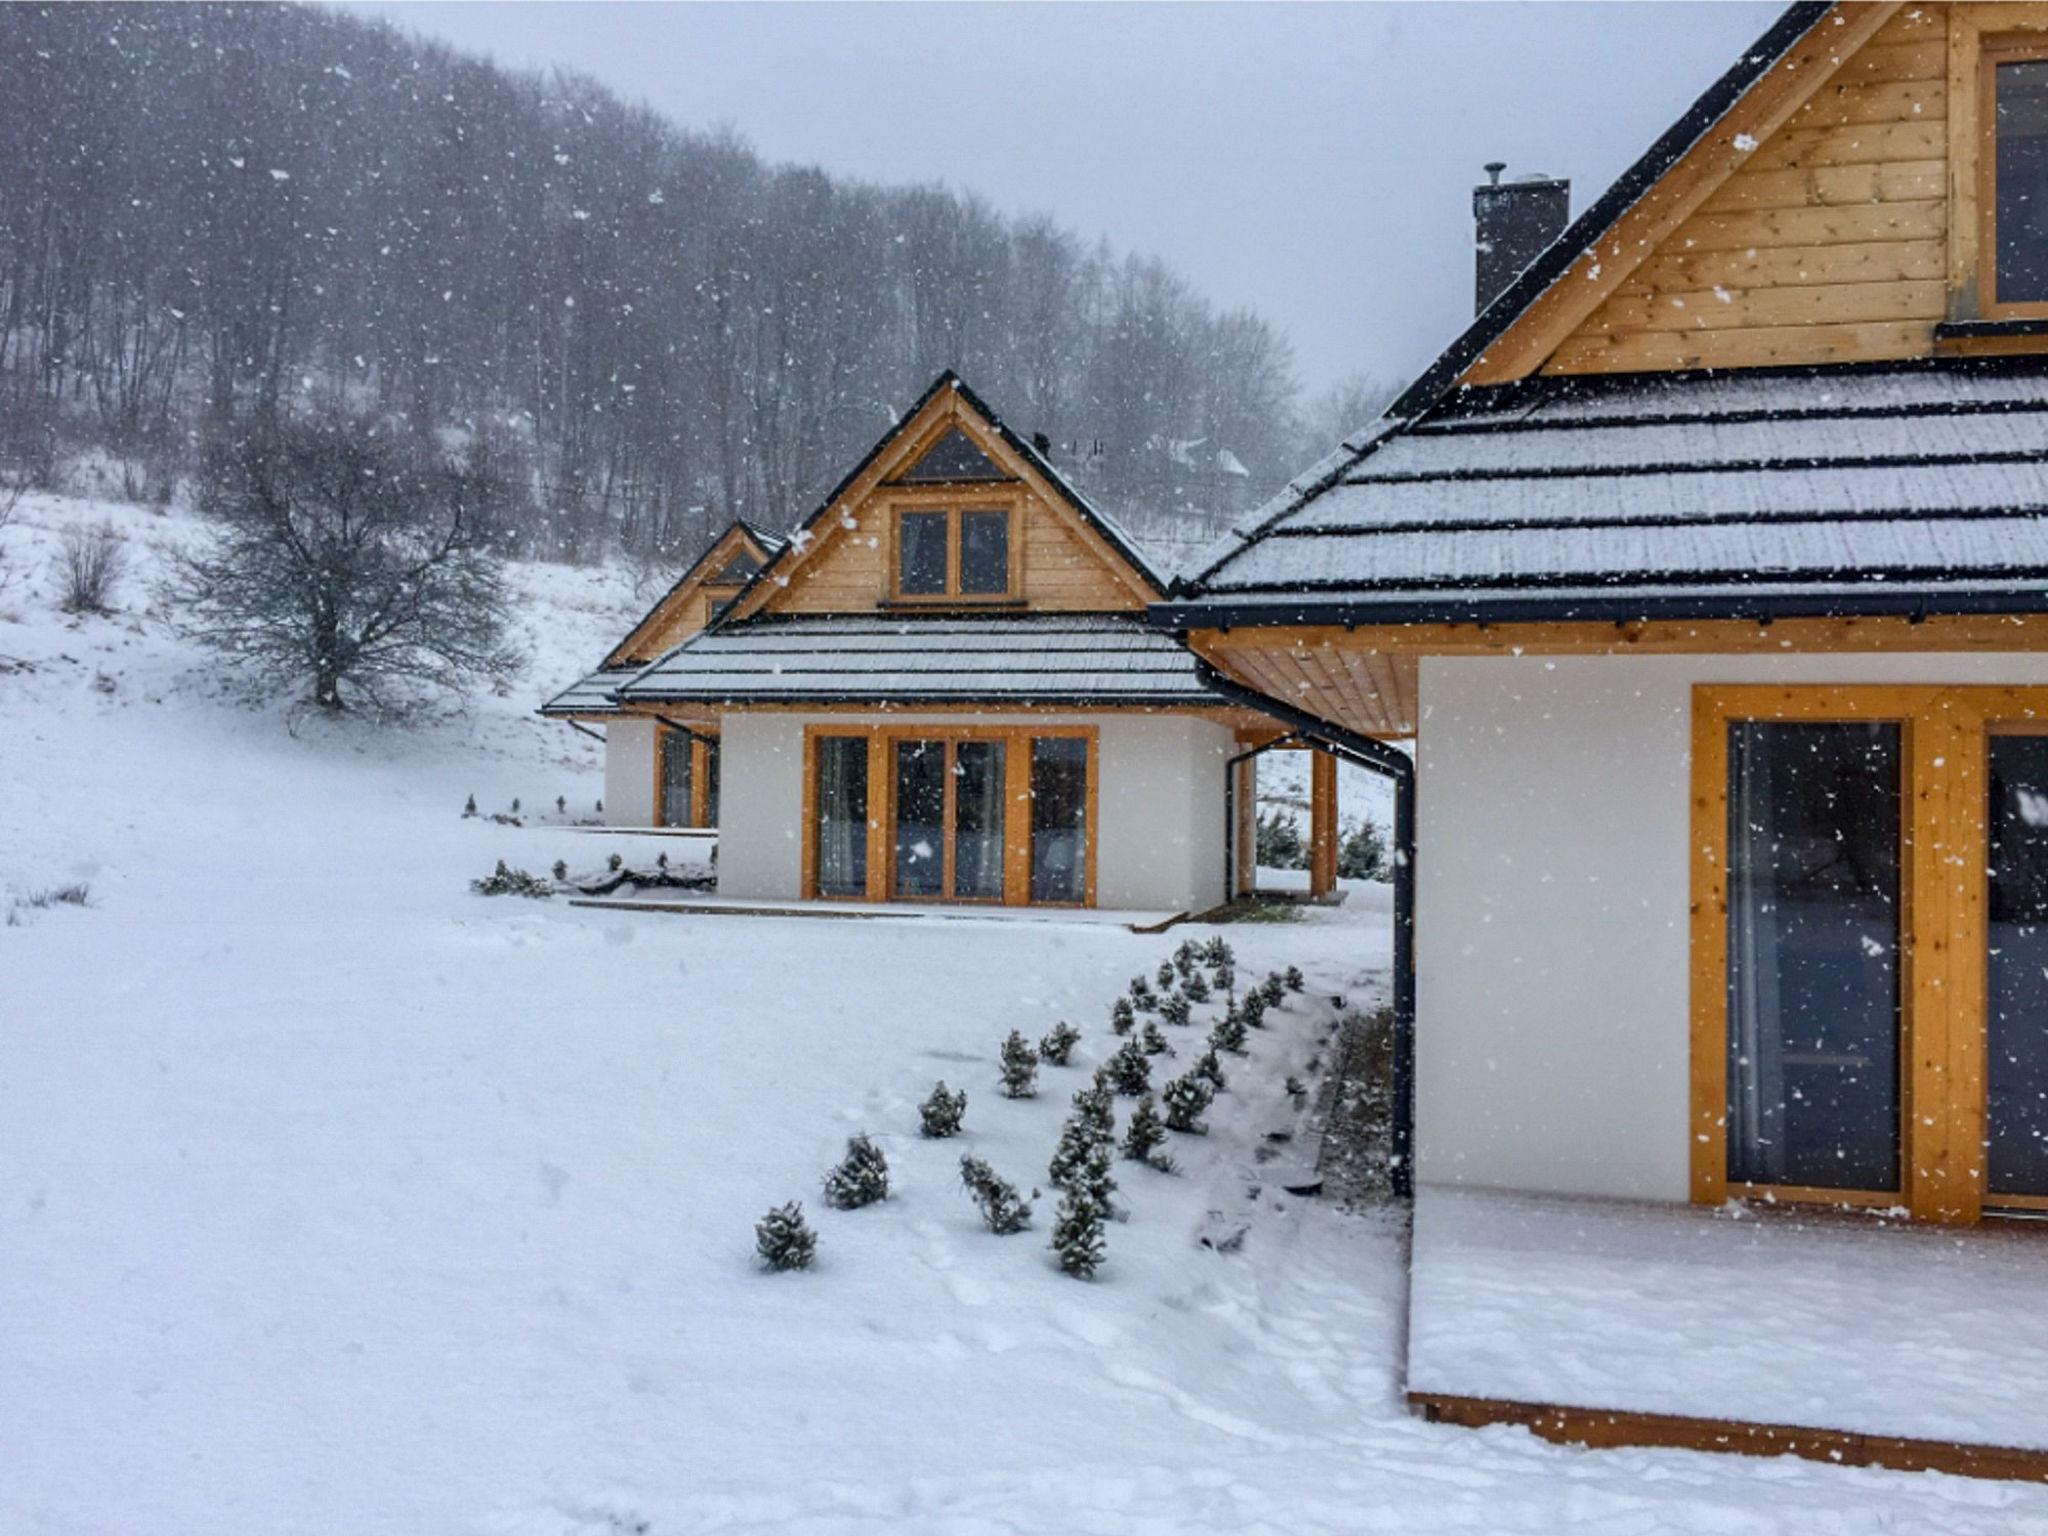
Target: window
841, 816
1059, 818
677, 779
953, 553
2014, 263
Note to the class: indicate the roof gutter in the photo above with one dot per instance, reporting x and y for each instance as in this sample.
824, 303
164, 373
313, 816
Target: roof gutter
1761, 608
1382, 759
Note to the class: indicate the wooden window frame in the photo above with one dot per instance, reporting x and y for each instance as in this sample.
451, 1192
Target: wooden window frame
881, 851
1944, 941
1994, 50
955, 503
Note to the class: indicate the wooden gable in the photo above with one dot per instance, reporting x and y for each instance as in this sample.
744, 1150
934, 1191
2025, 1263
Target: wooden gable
714, 579
1831, 215
949, 454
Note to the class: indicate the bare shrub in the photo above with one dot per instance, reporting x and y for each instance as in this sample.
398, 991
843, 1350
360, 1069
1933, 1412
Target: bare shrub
89, 561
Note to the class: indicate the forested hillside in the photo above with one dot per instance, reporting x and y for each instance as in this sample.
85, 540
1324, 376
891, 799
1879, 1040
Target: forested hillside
212, 213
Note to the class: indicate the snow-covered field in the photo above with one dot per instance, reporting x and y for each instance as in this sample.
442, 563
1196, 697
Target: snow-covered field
335, 1199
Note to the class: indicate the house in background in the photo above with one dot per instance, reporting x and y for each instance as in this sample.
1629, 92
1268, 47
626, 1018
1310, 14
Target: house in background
1708, 570
656, 774
942, 688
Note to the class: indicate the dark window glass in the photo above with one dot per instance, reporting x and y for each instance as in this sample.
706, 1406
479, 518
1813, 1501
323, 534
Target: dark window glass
954, 457
842, 815
978, 820
1059, 818
984, 553
920, 818
675, 779
2016, 1072
1813, 955
711, 782
921, 554
2021, 111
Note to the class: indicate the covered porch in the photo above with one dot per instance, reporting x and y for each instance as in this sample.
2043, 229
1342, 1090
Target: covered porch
1852, 1338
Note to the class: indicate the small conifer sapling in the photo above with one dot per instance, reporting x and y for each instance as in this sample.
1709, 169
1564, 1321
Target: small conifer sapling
1165, 975
1144, 1134
1077, 1238
1057, 1048
1185, 1099
1210, 1070
1195, 988
1122, 1016
1175, 1009
1253, 1009
784, 1239
561, 871
861, 1178
1143, 998
1019, 1067
1003, 1210
1152, 1042
1293, 980
469, 806
1228, 1035
1129, 1069
939, 1115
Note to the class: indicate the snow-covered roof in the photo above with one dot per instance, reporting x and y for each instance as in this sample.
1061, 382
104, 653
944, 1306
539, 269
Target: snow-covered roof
843, 658
591, 695
1895, 489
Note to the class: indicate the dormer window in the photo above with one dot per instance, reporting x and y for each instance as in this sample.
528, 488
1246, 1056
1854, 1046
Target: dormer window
2014, 274
961, 553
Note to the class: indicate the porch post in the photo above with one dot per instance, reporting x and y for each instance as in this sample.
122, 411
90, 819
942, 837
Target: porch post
1322, 820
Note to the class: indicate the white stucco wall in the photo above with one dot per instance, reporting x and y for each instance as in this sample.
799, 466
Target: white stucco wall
1552, 937
629, 773
1160, 805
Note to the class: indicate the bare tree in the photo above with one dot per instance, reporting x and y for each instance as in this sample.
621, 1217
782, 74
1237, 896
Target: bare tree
350, 558
89, 561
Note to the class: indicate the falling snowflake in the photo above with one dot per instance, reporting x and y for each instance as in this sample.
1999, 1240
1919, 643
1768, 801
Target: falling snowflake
1745, 142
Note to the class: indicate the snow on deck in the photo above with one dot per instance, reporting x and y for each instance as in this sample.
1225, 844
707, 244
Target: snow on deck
1830, 1322
1089, 917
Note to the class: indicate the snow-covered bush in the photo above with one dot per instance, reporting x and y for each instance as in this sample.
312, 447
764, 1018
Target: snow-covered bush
1129, 1069
1210, 1070
1293, 979
1077, 1237
1274, 990
1252, 1010
1218, 952
1195, 989
560, 871
1122, 1016
861, 1178
1144, 1134
1089, 1130
784, 1239
1174, 1008
506, 881
1057, 1048
469, 806
1186, 1098
1186, 958
939, 1116
1362, 852
1003, 1210
1143, 998
1228, 1035
1019, 1067
1224, 978
89, 561
1152, 1042
1165, 975
1279, 842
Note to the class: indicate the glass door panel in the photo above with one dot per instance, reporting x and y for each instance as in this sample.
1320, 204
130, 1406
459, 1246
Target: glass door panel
920, 819
675, 779
978, 820
1059, 818
842, 816
2016, 1055
1813, 954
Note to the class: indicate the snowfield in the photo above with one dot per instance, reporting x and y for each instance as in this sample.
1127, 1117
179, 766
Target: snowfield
335, 1199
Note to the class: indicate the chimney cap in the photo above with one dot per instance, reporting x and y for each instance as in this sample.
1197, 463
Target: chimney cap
1493, 170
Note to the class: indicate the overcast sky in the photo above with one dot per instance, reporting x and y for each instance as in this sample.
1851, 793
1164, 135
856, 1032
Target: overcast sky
1313, 162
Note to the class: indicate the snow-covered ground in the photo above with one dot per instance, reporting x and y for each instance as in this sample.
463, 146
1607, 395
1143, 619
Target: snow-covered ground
336, 1199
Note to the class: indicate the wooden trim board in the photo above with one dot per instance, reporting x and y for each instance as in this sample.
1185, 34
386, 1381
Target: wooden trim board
1600, 1428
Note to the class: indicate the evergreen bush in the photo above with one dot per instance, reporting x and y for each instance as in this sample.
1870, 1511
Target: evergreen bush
1090, 1129
1195, 989
1362, 853
506, 881
1210, 1070
1228, 1035
1293, 979
561, 871
1186, 1098
1057, 1048
784, 1239
1003, 1210
1143, 998
1122, 1016
469, 806
1165, 976
1278, 841
939, 1116
1144, 1134
1077, 1237
1129, 1069
1253, 1009
1152, 1042
1274, 990
1019, 1067
861, 1178
1218, 952
1224, 979
1175, 1009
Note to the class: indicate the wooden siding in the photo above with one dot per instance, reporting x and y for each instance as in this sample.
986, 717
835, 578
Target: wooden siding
1829, 244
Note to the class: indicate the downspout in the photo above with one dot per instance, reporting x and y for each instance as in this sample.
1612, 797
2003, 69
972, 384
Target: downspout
1382, 759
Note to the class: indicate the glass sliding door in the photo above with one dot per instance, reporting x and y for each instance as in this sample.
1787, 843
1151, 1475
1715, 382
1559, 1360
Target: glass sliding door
711, 781
920, 769
978, 820
675, 779
1814, 813
1059, 819
841, 815
2016, 1054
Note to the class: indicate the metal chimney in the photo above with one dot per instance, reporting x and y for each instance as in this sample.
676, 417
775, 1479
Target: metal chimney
1514, 222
